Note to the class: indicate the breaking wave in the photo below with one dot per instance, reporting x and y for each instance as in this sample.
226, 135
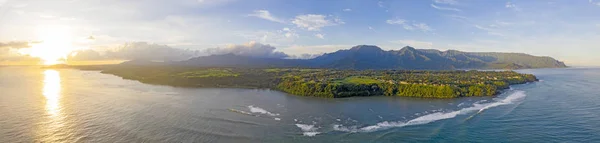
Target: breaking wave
254, 109
517, 96
308, 130
425, 119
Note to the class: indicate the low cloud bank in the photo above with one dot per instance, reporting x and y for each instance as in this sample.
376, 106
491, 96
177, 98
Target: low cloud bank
146, 51
304, 56
251, 49
157, 52
9, 51
14, 45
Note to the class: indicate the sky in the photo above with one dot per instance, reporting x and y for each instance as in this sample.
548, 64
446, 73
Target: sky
568, 30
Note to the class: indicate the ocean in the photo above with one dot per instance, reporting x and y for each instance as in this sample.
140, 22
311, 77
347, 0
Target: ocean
67, 105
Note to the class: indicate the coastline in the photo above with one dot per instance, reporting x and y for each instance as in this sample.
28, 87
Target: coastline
291, 81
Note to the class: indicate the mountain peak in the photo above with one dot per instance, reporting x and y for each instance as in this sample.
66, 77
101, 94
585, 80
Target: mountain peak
366, 48
372, 57
407, 48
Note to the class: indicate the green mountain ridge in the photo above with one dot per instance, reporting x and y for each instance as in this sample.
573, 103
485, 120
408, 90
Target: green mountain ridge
372, 57
364, 57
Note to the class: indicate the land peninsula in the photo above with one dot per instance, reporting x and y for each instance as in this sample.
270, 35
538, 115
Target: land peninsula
360, 71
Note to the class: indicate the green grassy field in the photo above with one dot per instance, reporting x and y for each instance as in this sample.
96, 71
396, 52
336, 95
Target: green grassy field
208, 73
291, 70
358, 80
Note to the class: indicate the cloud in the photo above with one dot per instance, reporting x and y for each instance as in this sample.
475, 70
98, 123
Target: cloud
320, 36
509, 5
289, 33
395, 22
414, 43
483, 28
283, 36
304, 56
512, 6
147, 51
314, 22
264, 14
251, 49
408, 26
451, 2
15, 45
400, 22
423, 27
459, 18
9, 51
444, 8
87, 55
298, 50
347, 9
380, 4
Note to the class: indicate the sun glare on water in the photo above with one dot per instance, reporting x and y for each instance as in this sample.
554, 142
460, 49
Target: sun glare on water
51, 90
55, 45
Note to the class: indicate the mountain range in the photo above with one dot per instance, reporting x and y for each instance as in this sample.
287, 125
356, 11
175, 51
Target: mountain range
364, 57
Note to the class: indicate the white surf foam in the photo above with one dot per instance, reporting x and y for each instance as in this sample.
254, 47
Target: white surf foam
425, 119
255, 109
308, 130
517, 96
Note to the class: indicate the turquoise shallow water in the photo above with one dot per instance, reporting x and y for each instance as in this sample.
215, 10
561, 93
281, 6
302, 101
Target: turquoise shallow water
38, 105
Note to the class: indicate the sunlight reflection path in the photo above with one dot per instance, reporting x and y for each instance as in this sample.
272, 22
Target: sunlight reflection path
53, 128
51, 91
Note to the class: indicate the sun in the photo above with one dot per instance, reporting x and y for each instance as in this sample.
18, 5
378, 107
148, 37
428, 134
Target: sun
55, 45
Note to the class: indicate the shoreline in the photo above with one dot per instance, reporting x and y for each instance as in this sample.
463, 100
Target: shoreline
334, 84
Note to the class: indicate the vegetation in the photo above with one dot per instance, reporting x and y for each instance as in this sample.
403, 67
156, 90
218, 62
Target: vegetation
329, 83
426, 84
358, 80
207, 73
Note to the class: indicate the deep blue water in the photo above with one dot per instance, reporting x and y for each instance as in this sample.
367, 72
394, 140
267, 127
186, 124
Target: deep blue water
38, 105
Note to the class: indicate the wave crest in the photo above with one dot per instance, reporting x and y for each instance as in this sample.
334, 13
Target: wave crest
308, 130
255, 109
425, 119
